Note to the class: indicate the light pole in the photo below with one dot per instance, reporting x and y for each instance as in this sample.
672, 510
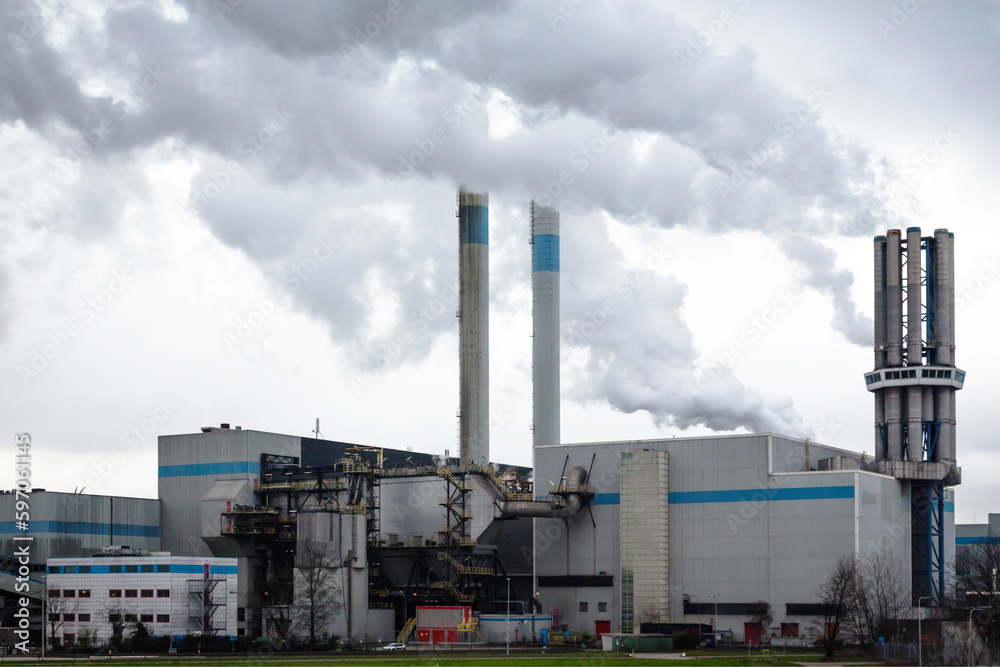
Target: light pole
698, 603
715, 621
508, 615
920, 635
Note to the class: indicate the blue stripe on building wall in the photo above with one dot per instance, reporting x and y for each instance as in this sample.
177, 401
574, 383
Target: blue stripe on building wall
224, 468
742, 495
185, 568
81, 528
977, 540
545, 252
473, 224
949, 507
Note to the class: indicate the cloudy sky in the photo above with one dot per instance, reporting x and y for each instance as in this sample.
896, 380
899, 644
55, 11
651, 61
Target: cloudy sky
244, 212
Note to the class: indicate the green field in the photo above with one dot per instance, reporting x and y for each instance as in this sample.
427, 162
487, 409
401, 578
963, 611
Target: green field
448, 660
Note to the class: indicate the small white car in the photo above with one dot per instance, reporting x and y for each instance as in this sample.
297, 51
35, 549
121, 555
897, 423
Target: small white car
395, 646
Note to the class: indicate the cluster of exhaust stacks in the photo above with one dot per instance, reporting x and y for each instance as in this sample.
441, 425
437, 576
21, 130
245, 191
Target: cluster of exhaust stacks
915, 378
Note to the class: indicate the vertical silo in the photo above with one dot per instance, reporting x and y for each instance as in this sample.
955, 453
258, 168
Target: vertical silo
881, 343
894, 336
545, 324
474, 327
914, 346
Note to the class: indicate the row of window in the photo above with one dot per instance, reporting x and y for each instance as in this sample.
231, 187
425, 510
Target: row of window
129, 618
912, 373
69, 593
113, 569
134, 593
601, 606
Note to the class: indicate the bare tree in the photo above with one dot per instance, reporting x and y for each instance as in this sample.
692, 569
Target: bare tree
836, 596
977, 575
880, 593
317, 599
762, 616
116, 610
56, 609
279, 619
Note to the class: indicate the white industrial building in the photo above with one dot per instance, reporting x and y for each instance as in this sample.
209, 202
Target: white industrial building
172, 595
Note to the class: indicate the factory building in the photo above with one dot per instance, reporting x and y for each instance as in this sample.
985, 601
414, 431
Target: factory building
172, 595
64, 525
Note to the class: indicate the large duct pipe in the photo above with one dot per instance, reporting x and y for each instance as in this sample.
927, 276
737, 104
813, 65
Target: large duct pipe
545, 324
914, 344
576, 478
881, 343
944, 275
894, 337
914, 423
474, 327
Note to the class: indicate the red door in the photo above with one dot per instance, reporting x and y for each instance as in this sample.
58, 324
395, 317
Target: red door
602, 627
752, 633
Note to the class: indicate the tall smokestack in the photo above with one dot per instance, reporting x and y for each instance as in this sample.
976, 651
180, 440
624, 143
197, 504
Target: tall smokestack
545, 323
474, 327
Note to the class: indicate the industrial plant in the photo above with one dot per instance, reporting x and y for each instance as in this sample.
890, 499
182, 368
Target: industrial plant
630, 536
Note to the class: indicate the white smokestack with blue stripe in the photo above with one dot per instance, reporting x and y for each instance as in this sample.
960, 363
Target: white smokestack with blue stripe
545, 322
474, 327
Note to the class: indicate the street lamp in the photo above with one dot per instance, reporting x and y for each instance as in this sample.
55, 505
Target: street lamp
698, 602
508, 615
715, 621
920, 635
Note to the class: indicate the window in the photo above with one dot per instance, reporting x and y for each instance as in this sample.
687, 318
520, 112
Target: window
53, 617
84, 618
602, 606
115, 569
163, 592
68, 639
147, 593
69, 569
163, 618
789, 629
241, 614
131, 593
114, 618
85, 592
54, 593
145, 568
53, 569
69, 594
583, 606
163, 568
69, 617
84, 569
146, 618
131, 618
131, 568
115, 593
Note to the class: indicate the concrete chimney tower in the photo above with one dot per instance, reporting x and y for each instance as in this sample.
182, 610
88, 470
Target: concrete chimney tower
474, 327
545, 324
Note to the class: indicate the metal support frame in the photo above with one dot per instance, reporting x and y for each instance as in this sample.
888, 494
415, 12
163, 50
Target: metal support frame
927, 540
